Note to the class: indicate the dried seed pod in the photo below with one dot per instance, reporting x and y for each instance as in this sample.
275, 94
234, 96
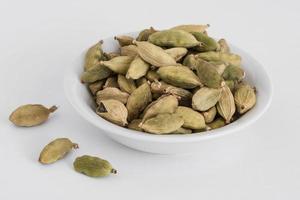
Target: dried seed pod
208, 74
190, 61
96, 73
205, 98
210, 114
225, 105
152, 76
177, 52
154, 55
124, 40
111, 93
144, 34
137, 69
113, 111
245, 98
93, 55
179, 92
162, 124
164, 104
93, 166
111, 55
126, 85
31, 115
223, 46
138, 100
118, 64
219, 65
218, 123
56, 150
180, 76
231, 84
192, 28
134, 125
96, 86
173, 38
229, 58
207, 43
111, 82
141, 81
130, 50
192, 119
234, 73
182, 131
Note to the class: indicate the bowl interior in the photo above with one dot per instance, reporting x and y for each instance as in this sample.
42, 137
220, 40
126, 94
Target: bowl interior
80, 98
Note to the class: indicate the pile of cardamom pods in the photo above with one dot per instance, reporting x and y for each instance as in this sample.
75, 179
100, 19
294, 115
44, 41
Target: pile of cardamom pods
174, 81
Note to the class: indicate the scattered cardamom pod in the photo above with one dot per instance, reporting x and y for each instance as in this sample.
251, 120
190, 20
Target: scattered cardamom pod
225, 105
31, 115
93, 166
124, 40
192, 119
245, 98
118, 64
96, 73
126, 85
56, 150
93, 55
111, 93
205, 98
137, 69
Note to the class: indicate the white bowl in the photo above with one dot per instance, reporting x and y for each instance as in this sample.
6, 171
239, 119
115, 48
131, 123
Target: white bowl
80, 98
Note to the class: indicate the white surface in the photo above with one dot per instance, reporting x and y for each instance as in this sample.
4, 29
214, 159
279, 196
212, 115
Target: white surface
39, 40
79, 96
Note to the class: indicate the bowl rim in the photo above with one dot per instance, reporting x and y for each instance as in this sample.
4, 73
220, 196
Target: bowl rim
108, 127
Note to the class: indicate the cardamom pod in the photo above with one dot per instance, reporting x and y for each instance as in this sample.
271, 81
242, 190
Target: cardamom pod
177, 52
207, 43
225, 105
31, 115
137, 69
124, 40
162, 124
93, 55
111, 93
154, 55
223, 46
190, 61
208, 74
113, 111
56, 150
152, 76
180, 76
164, 104
111, 55
141, 81
138, 100
144, 34
229, 58
134, 125
118, 64
205, 98
173, 38
96, 73
126, 85
192, 28
234, 73
218, 123
182, 131
245, 98
111, 82
220, 66
231, 84
93, 166
130, 50
192, 119
96, 86
210, 114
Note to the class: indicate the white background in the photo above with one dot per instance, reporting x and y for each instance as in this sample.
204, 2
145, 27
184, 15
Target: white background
39, 40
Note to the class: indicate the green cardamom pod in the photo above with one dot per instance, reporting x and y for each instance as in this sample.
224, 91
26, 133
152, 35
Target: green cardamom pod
182, 131
111, 93
219, 65
134, 125
173, 38
210, 114
96, 86
111, 82
118, 64
96, 73
113, 111
152, 76
205, 98
126, 85
153, 54
93, 166
218, 123
124, 40
231, 84
162, 124
141, 81
192, 119
130, 50
56, 150
190, 61
93, 55
111, 55
229, 58
179, 76
192, 27
138, 100
31, 115
223, 46
234, 73
226, 105
208, 74
137, 69
207, 43
144, 34
245, 98
177, 52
